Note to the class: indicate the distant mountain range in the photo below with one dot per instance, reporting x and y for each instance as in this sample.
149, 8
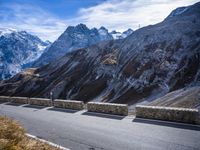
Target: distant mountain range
18, 49
149, 63
76, 37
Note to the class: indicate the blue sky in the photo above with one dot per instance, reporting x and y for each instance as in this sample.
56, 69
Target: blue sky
49, 18
61, 8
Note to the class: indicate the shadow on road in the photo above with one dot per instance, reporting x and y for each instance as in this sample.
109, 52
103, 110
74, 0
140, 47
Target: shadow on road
34, 106
103, 115
3, 102
166, 123
63, 110
14, 104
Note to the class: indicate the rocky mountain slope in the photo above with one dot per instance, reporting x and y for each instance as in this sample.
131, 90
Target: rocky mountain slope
76, 37
17, 49
186, 98
149, 63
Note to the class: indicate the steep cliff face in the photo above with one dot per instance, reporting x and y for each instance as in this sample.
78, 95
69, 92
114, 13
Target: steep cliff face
151, 62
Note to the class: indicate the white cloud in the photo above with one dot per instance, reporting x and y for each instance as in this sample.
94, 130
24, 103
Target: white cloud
123, 14
113, 14
32, 19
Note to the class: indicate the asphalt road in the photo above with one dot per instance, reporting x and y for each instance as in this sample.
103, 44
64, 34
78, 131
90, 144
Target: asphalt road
91, 131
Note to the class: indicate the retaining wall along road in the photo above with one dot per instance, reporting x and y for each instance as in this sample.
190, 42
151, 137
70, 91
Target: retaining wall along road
21, 100
40, 101
151, 112
110, 108
167, 113
4, 99
69, 104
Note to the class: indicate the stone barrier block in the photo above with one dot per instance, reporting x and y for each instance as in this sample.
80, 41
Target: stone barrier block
40, 101
185, 115
109, 108
4, 99
20, 100
69, 104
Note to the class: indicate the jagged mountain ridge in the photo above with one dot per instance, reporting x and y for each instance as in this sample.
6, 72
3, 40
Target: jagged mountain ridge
17, 49
149, 63
76, 37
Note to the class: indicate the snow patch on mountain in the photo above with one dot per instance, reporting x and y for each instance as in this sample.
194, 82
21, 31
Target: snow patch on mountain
17, 49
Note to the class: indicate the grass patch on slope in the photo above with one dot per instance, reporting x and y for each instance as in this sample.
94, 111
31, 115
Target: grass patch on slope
13, 137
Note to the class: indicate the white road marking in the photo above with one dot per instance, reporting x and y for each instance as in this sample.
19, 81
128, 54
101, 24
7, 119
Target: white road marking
45, 141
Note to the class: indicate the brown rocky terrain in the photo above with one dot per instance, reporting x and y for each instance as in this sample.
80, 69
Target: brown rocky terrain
186, 98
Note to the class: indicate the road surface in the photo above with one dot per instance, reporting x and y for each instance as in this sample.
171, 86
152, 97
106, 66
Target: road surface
80, 130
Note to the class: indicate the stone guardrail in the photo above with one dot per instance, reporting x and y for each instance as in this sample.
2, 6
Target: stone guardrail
40, 101
185, 115
20, 100
109, 108
4, 99
68, 104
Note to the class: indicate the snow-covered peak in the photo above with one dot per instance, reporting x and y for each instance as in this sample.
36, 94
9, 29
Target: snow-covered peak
17, 49
121, 35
